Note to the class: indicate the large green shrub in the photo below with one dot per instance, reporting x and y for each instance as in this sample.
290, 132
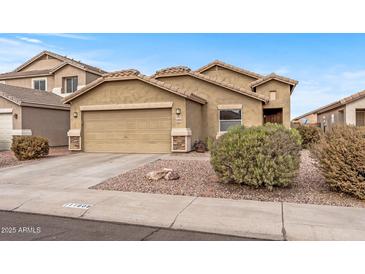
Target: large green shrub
29, 147
258, 156
310, 135
341, 158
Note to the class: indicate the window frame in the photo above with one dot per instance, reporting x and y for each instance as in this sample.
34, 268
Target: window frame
332, 118
219, 118
39, 79
359, 110
275, 95
64, 85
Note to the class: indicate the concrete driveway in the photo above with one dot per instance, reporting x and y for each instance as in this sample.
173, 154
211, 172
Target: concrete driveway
80, 170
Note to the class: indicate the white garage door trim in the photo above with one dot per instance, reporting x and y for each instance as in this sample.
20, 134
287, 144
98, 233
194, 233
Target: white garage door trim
127, 106
6, 128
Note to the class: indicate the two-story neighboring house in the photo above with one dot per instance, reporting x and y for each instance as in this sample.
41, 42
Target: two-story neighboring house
31, 97
52, 72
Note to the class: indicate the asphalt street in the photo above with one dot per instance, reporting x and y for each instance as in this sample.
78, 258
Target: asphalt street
16, 226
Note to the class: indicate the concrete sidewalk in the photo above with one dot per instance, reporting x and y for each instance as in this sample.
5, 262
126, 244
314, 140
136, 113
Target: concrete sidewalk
253, 219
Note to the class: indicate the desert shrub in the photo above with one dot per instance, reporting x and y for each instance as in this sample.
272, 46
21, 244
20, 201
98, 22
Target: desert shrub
341, 159
310, 135
266, 156
29, 147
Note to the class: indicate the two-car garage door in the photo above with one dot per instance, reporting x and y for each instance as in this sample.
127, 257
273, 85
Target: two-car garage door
6, 127
127, 131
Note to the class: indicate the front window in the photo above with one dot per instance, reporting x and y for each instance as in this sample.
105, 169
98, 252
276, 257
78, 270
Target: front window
229, 118
39, 84
70, 84
360, 117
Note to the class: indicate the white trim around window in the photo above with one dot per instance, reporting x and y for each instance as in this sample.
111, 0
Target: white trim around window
233, 121
40, 79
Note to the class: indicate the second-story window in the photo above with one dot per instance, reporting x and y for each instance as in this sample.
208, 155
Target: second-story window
70, 84
40, 84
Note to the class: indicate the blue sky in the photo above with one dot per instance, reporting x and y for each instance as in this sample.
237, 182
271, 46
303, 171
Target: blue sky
327, 66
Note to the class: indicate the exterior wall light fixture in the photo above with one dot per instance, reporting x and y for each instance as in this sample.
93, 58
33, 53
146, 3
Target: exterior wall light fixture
178, 111
75, 114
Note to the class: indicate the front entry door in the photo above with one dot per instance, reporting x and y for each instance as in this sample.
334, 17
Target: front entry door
273, 115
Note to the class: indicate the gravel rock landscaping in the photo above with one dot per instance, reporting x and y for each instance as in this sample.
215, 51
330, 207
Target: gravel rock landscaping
197, 178
7, 158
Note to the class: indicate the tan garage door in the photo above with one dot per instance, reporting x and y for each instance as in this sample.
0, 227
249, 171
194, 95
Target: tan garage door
127, 131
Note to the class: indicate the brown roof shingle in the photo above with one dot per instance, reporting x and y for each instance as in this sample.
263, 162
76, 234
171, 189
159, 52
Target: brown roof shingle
182, 70
26, 96
231, 67
130, 74
339, 103
64, 59
273, 76
21, 74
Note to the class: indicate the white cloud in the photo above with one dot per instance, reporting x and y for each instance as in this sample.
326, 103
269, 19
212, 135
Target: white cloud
69, 35
14, 52
353, 75
320, 88
30, 40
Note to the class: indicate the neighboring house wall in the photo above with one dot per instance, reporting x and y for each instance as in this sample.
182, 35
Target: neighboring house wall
128, 92
17, 122
28, 82
68, 71
230, 76
50, 123
332, 117
351, 110
282, 99
46, 62
91, 77
252, 114
309, 119
194, 120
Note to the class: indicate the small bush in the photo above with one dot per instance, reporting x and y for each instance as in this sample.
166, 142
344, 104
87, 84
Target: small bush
266, 156
341, 159
29, 147
310, 135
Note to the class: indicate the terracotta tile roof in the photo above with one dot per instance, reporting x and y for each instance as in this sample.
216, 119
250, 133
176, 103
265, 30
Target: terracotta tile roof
65, 59
21, 74
131, 74
275, 77
339, 103
172, 70
177, 71
26, 96
230, 67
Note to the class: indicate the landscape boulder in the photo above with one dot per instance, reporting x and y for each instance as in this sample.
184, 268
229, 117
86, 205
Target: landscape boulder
166, 173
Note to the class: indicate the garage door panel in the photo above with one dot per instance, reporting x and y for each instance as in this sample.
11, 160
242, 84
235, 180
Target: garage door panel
127, 131
6, 128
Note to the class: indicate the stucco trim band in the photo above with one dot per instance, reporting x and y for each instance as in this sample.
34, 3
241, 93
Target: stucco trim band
127, 106
22, 132
181, 132
232, 106
6, 110
74, 132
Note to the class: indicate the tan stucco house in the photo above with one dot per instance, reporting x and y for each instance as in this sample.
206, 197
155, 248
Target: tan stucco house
26, 111
52, 72
347, 111
129, 112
